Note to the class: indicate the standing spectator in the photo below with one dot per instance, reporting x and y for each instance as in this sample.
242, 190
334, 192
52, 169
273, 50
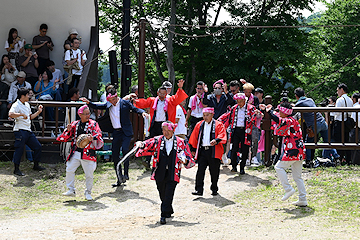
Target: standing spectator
15, 86
56, 75
342, 101
8, 71
168, 87
220, 99
234, 87
253, 100
355, 154
196, 106
181, 129
321, 125
72, 34
259, 93
21, 112
29, 63
75, 58
42, 43
14, 46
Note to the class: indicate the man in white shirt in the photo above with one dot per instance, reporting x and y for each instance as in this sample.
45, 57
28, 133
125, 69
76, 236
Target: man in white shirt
196, 106
342, 101
180, 119
75, 55
21, 112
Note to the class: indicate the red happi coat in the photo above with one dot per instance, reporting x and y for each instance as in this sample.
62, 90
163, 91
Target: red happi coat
294, 147
220, 133
89, 151
173, 101
152, 147
250, 120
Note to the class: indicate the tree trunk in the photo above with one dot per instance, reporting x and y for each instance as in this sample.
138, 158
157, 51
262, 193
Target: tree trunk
169, 46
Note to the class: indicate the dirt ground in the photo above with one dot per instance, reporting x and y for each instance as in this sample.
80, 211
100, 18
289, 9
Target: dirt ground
133, 211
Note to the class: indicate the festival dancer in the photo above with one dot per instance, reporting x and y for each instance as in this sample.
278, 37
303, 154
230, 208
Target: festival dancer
85, 156
292, 150
21, 112
208, 138
170, 152
241, 119
116, 120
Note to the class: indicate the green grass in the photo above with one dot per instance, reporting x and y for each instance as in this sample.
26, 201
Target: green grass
332, 193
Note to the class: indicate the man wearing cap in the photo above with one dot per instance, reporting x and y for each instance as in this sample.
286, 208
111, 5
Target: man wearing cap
72, 34
220, 99
168, 87
170, 153
29, 63
241, 119
208, 138
15, 86
43, 45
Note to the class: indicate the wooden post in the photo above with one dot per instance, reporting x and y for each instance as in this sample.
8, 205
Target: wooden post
266, 126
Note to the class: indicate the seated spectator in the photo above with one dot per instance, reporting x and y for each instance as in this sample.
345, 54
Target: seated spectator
15, 86
8, 70
75, 58
29, 63
56, 73
14, 46
43, 45
45, 87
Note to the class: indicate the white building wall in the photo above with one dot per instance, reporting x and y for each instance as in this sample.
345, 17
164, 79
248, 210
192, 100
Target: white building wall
60, 16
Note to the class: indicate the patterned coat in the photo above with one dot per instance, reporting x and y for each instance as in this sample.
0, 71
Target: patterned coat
294, 148
228, 119
89, 151
152, 147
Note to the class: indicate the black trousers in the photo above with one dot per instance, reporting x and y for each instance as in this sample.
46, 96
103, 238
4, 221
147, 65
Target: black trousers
166, 188
203, 161
238, 137
193, 122
337, 137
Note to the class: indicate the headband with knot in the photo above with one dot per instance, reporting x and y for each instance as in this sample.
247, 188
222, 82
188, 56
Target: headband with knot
287, 111
81, 109
171, 126
239, 96
221, 81
209, 110
111, 96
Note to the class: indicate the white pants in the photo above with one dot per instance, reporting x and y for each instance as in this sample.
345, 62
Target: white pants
88, 167
296, 168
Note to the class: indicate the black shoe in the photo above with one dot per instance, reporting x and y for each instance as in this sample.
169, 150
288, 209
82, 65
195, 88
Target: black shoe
162, 220
233, 170
19, 173
242, 171
38, 168
197, 193
214, 193
126, 177
116, 184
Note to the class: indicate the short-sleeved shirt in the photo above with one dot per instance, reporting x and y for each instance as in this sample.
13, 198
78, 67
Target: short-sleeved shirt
71, 54
180, 129
42, 52
29, 69
20, 122
197, 112
17, 46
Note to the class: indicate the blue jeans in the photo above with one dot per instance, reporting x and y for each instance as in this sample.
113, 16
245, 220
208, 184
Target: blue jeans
322, 128
120, 140
23, 137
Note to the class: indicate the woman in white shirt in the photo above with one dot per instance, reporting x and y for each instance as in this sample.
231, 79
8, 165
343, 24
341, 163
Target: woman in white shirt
14, 46
8, 71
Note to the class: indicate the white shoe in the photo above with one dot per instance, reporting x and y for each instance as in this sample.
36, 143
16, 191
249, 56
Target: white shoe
69, 193
247, 162
288, 194
300, 203
255, 162
88, 197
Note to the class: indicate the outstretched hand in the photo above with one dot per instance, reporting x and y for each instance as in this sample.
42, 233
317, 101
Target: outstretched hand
181, 83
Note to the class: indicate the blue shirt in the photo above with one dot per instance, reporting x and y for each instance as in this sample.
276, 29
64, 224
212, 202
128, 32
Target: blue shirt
48, 89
